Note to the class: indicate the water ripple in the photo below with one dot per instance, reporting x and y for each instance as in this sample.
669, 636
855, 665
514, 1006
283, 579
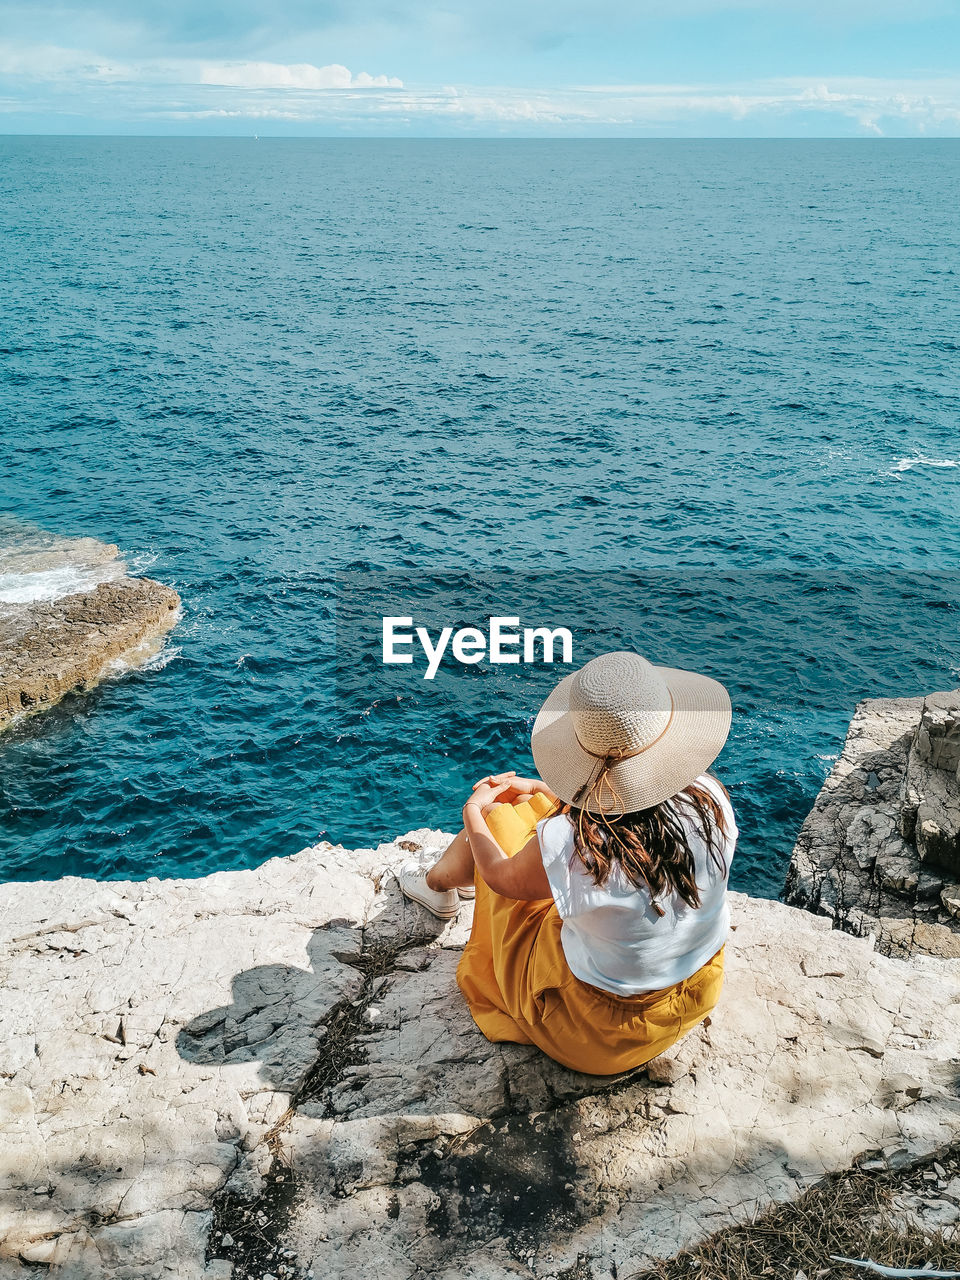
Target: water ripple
251, 365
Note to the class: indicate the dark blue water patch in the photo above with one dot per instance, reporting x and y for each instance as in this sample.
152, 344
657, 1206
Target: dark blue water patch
251, 365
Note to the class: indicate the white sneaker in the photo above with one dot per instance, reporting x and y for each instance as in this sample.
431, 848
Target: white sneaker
429, 856
443, 903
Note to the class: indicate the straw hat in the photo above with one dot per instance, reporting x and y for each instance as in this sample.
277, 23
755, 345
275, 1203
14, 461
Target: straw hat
621, 734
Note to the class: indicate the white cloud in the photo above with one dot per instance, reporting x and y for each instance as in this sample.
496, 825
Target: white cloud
302, 75
267, 113
871, 109
924, 105
80, 83
52, 63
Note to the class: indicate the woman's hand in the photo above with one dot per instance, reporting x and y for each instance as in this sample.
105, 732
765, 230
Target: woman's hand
520, 876
487, 792
515, 786
495, 779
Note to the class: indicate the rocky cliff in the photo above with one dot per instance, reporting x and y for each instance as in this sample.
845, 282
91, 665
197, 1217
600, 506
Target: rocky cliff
880, 851
69, 616
270, 1073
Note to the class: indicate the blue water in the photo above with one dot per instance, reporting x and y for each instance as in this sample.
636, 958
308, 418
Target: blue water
700, 396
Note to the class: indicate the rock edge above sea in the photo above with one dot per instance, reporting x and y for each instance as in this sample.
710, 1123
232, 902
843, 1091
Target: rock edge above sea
879, 853
48, 649
283, 1052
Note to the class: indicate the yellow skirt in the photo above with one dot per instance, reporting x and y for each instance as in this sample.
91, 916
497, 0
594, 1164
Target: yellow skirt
518, 985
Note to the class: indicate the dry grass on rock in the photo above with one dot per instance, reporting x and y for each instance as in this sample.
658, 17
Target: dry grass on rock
907, 1219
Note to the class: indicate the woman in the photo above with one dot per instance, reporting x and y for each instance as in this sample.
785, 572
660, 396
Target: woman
601, 909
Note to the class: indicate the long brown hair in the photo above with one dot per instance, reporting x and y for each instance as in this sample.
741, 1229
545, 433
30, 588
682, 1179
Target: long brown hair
650, 845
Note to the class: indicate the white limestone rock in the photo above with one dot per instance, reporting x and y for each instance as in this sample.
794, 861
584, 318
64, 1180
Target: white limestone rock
169, 1047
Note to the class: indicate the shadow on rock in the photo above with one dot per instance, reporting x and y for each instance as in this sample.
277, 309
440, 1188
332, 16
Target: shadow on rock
375, 1036
278, 1013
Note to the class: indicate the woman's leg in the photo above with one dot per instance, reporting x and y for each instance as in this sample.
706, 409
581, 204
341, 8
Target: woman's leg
454, 868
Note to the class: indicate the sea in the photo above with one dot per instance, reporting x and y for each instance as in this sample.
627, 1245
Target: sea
697, 398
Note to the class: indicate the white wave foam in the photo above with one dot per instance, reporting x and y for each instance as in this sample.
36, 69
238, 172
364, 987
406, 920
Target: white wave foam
38, 567
141, 561
43, 585
919, 460
134, 660
152, 654
162, 659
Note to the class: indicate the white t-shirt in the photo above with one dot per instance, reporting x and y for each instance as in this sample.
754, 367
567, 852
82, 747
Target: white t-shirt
611, 935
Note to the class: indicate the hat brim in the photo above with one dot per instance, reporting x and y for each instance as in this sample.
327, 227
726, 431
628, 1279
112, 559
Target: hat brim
693, 739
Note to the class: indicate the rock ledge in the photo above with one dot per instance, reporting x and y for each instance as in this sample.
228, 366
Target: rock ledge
274, 1069
879, 853
50, 647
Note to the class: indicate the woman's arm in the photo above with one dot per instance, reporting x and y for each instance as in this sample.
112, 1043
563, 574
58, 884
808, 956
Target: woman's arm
514, 786
521, 876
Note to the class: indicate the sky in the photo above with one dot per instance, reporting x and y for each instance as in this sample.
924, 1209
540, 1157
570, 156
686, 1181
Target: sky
487, 68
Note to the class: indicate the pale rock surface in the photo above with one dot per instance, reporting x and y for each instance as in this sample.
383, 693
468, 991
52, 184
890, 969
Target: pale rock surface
879, 853
292, 1037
